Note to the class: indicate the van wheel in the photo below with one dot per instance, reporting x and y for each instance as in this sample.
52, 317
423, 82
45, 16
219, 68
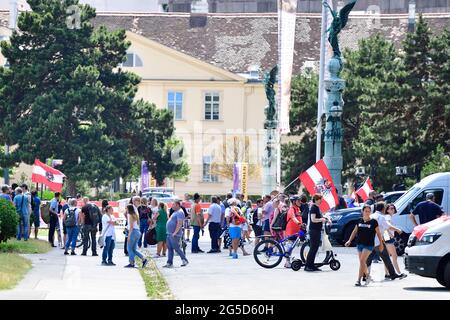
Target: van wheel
447, 275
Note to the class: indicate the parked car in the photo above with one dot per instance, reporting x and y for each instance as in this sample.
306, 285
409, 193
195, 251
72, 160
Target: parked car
344, 220
428, 251
160, 196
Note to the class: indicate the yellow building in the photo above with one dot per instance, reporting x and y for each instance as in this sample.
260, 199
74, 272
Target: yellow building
211, 107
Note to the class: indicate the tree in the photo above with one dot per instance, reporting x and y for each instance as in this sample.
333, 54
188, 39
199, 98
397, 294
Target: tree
300, 155
438, 161
234, 149
437, 113
63, 97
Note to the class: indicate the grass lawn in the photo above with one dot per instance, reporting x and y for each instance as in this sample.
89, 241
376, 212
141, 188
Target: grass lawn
24, 247
155, 284
12, 269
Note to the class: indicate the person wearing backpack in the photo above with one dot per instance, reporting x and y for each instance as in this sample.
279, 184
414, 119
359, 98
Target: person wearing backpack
72, 221
91, 218
304, 208
278, 220
21, 204
256, 219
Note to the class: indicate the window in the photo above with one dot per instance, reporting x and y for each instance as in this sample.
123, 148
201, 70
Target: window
207, 176
438, 193
132, 60
175, 104
212, 102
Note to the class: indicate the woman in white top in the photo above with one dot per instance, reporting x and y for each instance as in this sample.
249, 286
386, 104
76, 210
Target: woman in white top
133, 237
390, 236
109, 233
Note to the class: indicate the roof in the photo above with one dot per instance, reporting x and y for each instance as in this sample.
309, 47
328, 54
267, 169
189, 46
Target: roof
236, 42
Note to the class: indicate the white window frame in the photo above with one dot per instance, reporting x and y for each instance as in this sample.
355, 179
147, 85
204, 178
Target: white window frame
136, 58
208, 177
175, 114
211, 114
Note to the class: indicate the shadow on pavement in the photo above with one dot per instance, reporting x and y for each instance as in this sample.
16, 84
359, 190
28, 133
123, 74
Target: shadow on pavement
430, 289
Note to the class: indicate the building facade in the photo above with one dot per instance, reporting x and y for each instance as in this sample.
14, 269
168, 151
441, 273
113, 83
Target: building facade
208, 70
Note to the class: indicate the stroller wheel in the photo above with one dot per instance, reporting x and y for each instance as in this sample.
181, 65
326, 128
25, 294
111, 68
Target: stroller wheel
296, 265
335, 265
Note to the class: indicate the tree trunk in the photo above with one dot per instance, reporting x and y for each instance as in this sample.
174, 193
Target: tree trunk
71, 188
124, 185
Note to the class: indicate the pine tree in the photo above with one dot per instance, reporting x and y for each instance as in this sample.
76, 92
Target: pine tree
63, 97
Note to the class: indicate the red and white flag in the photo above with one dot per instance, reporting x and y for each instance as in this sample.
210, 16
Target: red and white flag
317, 179
354, 197
364, 191
49, 176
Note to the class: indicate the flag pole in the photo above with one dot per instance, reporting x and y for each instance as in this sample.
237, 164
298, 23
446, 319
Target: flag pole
290, 184
320, 98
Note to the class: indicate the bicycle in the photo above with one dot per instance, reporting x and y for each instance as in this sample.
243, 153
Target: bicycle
276, 249
80, 239
268, 253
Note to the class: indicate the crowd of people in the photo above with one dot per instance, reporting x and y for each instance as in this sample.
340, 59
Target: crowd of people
230, 222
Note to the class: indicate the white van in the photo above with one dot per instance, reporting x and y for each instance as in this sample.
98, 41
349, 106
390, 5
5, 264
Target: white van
428, 252
438, 183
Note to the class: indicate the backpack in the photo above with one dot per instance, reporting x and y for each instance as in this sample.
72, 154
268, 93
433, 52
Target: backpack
150, 236
94, 214
304, 208
70, 219
255, 216
280, 221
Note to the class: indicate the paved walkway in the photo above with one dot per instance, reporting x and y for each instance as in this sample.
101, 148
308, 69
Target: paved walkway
60, 277
218, 277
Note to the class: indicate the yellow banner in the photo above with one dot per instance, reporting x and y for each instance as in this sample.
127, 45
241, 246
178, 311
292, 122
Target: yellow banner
152, 182
244, 180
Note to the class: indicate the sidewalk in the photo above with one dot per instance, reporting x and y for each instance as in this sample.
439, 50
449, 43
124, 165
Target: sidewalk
60, 277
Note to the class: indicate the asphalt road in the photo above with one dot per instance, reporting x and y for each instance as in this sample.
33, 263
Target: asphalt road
217, 276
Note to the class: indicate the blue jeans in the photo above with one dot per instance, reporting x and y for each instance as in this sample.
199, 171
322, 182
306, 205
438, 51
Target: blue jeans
24, 222
173, 244
108, 249
132, 246
72, 234
143, 226
214, 232
195, 238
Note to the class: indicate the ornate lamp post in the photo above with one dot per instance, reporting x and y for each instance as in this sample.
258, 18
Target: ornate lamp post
334, 103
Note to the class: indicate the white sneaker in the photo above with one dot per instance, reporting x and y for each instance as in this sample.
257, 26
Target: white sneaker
185, 263
368, 280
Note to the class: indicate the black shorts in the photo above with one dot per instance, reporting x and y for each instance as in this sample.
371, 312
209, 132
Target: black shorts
258, 230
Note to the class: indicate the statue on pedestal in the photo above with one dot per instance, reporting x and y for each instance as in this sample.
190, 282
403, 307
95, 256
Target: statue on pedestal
339, 22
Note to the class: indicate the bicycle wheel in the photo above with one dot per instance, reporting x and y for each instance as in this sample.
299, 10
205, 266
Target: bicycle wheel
268, 253
320, 256
79, 240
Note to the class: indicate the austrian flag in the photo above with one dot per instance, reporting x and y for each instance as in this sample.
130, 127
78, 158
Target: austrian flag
317, 179
364, 191
49, 176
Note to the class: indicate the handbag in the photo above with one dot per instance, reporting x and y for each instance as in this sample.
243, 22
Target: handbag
150, 236
101, 239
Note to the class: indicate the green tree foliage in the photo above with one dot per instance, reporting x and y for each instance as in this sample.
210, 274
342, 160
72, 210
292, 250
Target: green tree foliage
396, 111
300, 155
438, 161
63, 97
8, 220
